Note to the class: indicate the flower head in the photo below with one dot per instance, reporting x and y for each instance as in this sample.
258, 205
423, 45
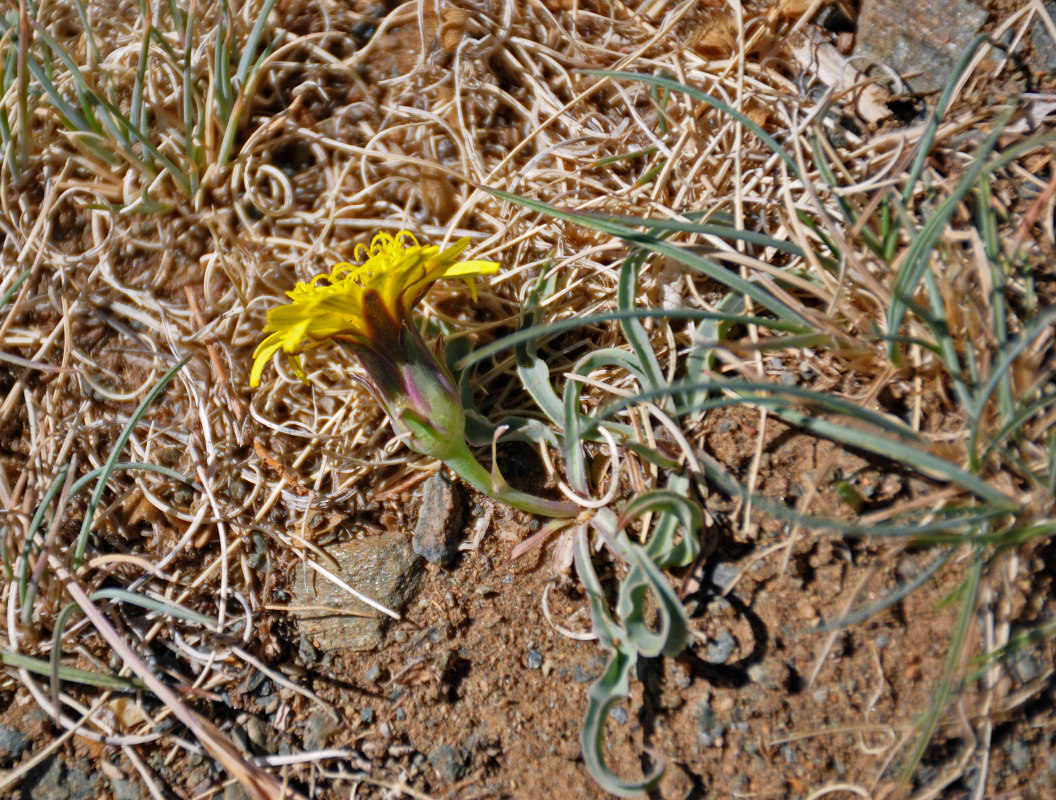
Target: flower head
365, 305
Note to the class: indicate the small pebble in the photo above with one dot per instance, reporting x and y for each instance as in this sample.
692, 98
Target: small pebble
446, 762
723, 574
788, 753
1020, 755
401, 715
619, 715
709, 729
535, 659
771, 674
373, 673
12, 744
366, 714
1026, 668
883, 640
720, 650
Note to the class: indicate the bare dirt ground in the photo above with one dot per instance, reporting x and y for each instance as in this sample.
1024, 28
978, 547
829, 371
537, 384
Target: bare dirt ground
479, 691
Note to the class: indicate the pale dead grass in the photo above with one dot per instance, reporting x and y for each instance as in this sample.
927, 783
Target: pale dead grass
343, 139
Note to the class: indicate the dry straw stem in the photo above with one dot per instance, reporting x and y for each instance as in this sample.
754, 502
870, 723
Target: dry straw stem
124, 269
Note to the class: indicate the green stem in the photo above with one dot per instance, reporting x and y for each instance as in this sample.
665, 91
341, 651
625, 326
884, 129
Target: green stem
459, 458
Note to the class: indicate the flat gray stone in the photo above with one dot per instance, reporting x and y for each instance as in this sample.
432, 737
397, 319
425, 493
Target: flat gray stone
384, 568
924, 36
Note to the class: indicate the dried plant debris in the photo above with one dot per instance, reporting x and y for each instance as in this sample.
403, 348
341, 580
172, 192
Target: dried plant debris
771, 326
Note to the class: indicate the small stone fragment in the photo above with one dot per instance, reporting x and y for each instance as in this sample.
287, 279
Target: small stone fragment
535, 659
439, 520
722, 648
320, 728
770, 674
12, 744
709, 729
446, 762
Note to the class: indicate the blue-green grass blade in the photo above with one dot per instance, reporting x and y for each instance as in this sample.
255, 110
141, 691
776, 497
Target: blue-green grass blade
248, 65
613, 685
648, 367
779, 400
554, 327
946, 681
644, 578
725, 232
137, 113
903, 591
1013, 349
115, 453
36, 521
697, 94
573, 421
169, 607
916, 260
41, 667
676, 509
941, 107
34, 525
680, 254
701, 359
532, 370
13, 288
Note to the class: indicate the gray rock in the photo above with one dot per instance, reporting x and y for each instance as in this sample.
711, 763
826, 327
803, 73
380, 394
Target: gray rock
366, 715
618, 715
535, 659
1026, 668
126, 789
709, 729
723, 574
384, 568
591, 671
234, 791
257, 732
446, 762
12, 744
82, 785
439, 521
926, 37
320, 728
1044, 55
1019, 755
47, 782
770, 674
722, 648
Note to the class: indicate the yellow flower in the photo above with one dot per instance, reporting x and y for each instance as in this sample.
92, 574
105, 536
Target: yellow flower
365, 306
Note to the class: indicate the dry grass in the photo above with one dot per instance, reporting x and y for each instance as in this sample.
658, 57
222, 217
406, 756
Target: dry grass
128, 266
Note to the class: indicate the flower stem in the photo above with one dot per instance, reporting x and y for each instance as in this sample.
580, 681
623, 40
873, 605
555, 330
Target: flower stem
464, 464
